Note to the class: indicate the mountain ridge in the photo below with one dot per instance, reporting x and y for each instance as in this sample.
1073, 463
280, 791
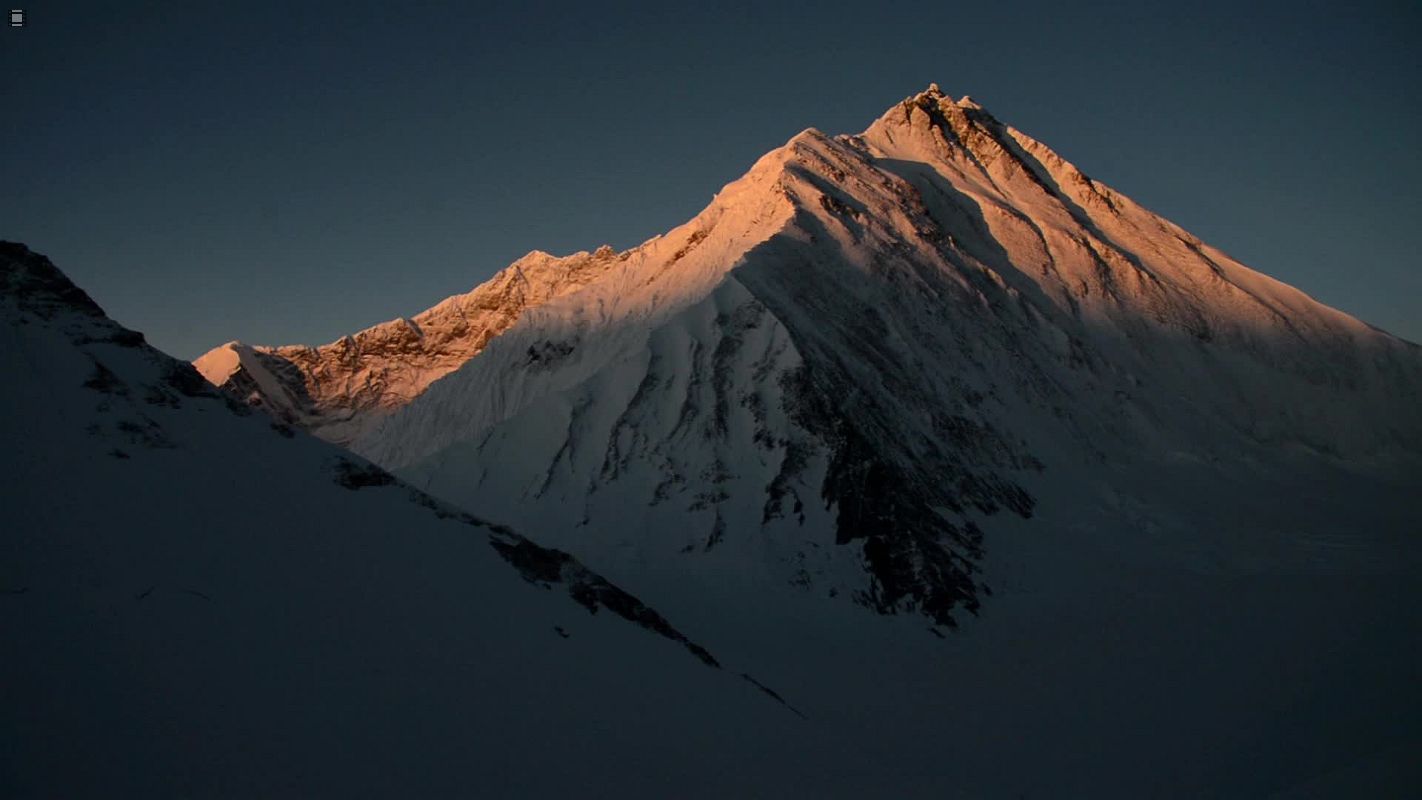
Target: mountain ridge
326, 388
960, 123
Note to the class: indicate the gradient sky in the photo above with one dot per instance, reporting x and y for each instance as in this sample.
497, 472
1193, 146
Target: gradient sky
290, 172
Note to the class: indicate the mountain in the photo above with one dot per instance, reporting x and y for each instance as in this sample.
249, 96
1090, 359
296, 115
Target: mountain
198, 601
853, 359
1024, 490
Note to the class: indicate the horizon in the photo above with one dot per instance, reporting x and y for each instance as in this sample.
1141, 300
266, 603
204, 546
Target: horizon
212, 176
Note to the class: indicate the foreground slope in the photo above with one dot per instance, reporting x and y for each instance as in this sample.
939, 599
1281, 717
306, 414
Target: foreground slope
197, 603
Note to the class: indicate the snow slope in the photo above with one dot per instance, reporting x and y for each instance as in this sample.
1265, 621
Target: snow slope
198, 601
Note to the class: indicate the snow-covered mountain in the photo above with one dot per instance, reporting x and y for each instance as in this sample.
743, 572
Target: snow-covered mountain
930, 370
858, 359
198, 601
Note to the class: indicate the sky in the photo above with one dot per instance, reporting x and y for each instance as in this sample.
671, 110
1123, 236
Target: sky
286, 173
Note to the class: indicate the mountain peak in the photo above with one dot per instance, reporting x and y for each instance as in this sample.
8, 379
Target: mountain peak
219, 363
935, 96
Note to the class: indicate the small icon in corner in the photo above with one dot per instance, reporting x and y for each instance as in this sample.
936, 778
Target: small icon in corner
17, 18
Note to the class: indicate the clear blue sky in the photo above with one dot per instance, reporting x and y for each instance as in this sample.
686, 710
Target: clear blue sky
289, 172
